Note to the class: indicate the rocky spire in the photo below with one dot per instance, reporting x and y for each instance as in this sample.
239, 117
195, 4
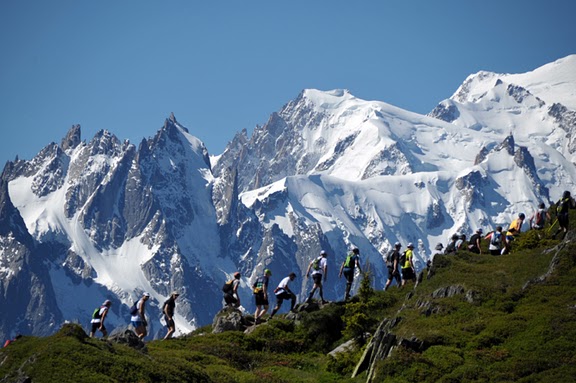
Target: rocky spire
72, 138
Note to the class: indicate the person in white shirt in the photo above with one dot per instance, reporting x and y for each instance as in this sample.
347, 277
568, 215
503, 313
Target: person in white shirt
138, 318
283, 292
98, 319
319, 272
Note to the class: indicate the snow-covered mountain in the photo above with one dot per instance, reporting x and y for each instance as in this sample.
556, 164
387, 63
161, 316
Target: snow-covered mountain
83, 222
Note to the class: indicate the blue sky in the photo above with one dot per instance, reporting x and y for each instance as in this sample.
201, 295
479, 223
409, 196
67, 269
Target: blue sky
224, 66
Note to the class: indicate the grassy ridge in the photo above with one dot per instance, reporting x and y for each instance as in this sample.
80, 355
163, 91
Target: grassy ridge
500, 329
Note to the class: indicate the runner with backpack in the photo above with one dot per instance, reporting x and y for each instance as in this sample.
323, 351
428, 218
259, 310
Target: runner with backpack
474, 243
319, 271
261, 295
562, 211
138, 316
392, 262
497, 244
348, 267
407, 264
539, 218
98, 317
230, 290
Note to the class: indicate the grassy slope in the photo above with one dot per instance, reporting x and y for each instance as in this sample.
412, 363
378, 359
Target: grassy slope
507, 334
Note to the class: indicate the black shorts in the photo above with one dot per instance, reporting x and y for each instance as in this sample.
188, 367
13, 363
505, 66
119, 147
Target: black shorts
285, 295
408, 273
230, 299
169, 322
563, 220
317, 278
96, 327
348, 274
393, 274
474, 249
260, 300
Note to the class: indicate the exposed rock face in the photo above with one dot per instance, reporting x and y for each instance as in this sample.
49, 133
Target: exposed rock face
380, 347
385, 341
72, 139
127, 337
229, 319
445, 111
25, 286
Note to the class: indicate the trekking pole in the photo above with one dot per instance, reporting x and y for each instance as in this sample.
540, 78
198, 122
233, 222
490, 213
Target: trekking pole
551, 226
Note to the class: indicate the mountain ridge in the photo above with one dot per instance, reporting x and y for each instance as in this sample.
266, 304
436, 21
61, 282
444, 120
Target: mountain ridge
328, 171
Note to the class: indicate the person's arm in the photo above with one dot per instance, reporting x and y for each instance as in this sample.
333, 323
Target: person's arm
478, 243
325, 269
341, 268
308, 270
102, 318
358, 265
395, 263
265, 288
235, 291
142, 311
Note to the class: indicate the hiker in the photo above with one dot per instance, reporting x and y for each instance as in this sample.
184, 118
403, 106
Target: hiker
407, 263
283, 292
98, 319
562, 206
230, 290
474, 243
139, 316
392, 261
451, 246
497, 244
539, 218
348, 267
261, 295
460, 241
439, 249
168, 310
515, 228
319, 269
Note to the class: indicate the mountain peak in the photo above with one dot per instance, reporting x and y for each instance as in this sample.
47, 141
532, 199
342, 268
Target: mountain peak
72, 139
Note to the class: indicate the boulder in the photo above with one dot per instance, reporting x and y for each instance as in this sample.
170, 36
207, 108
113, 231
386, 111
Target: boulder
229, 319
128, 337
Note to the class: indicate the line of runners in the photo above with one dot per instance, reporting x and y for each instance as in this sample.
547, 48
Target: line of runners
400, 268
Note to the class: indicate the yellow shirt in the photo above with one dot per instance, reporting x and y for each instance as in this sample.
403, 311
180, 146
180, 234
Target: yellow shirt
516, 225
409, 255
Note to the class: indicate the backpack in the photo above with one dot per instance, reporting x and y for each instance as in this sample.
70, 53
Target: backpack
316, 263
96, 313
539, 219
228, 286
562, 206
348, 263
473, 239
134, 309
496, 239
402, 260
